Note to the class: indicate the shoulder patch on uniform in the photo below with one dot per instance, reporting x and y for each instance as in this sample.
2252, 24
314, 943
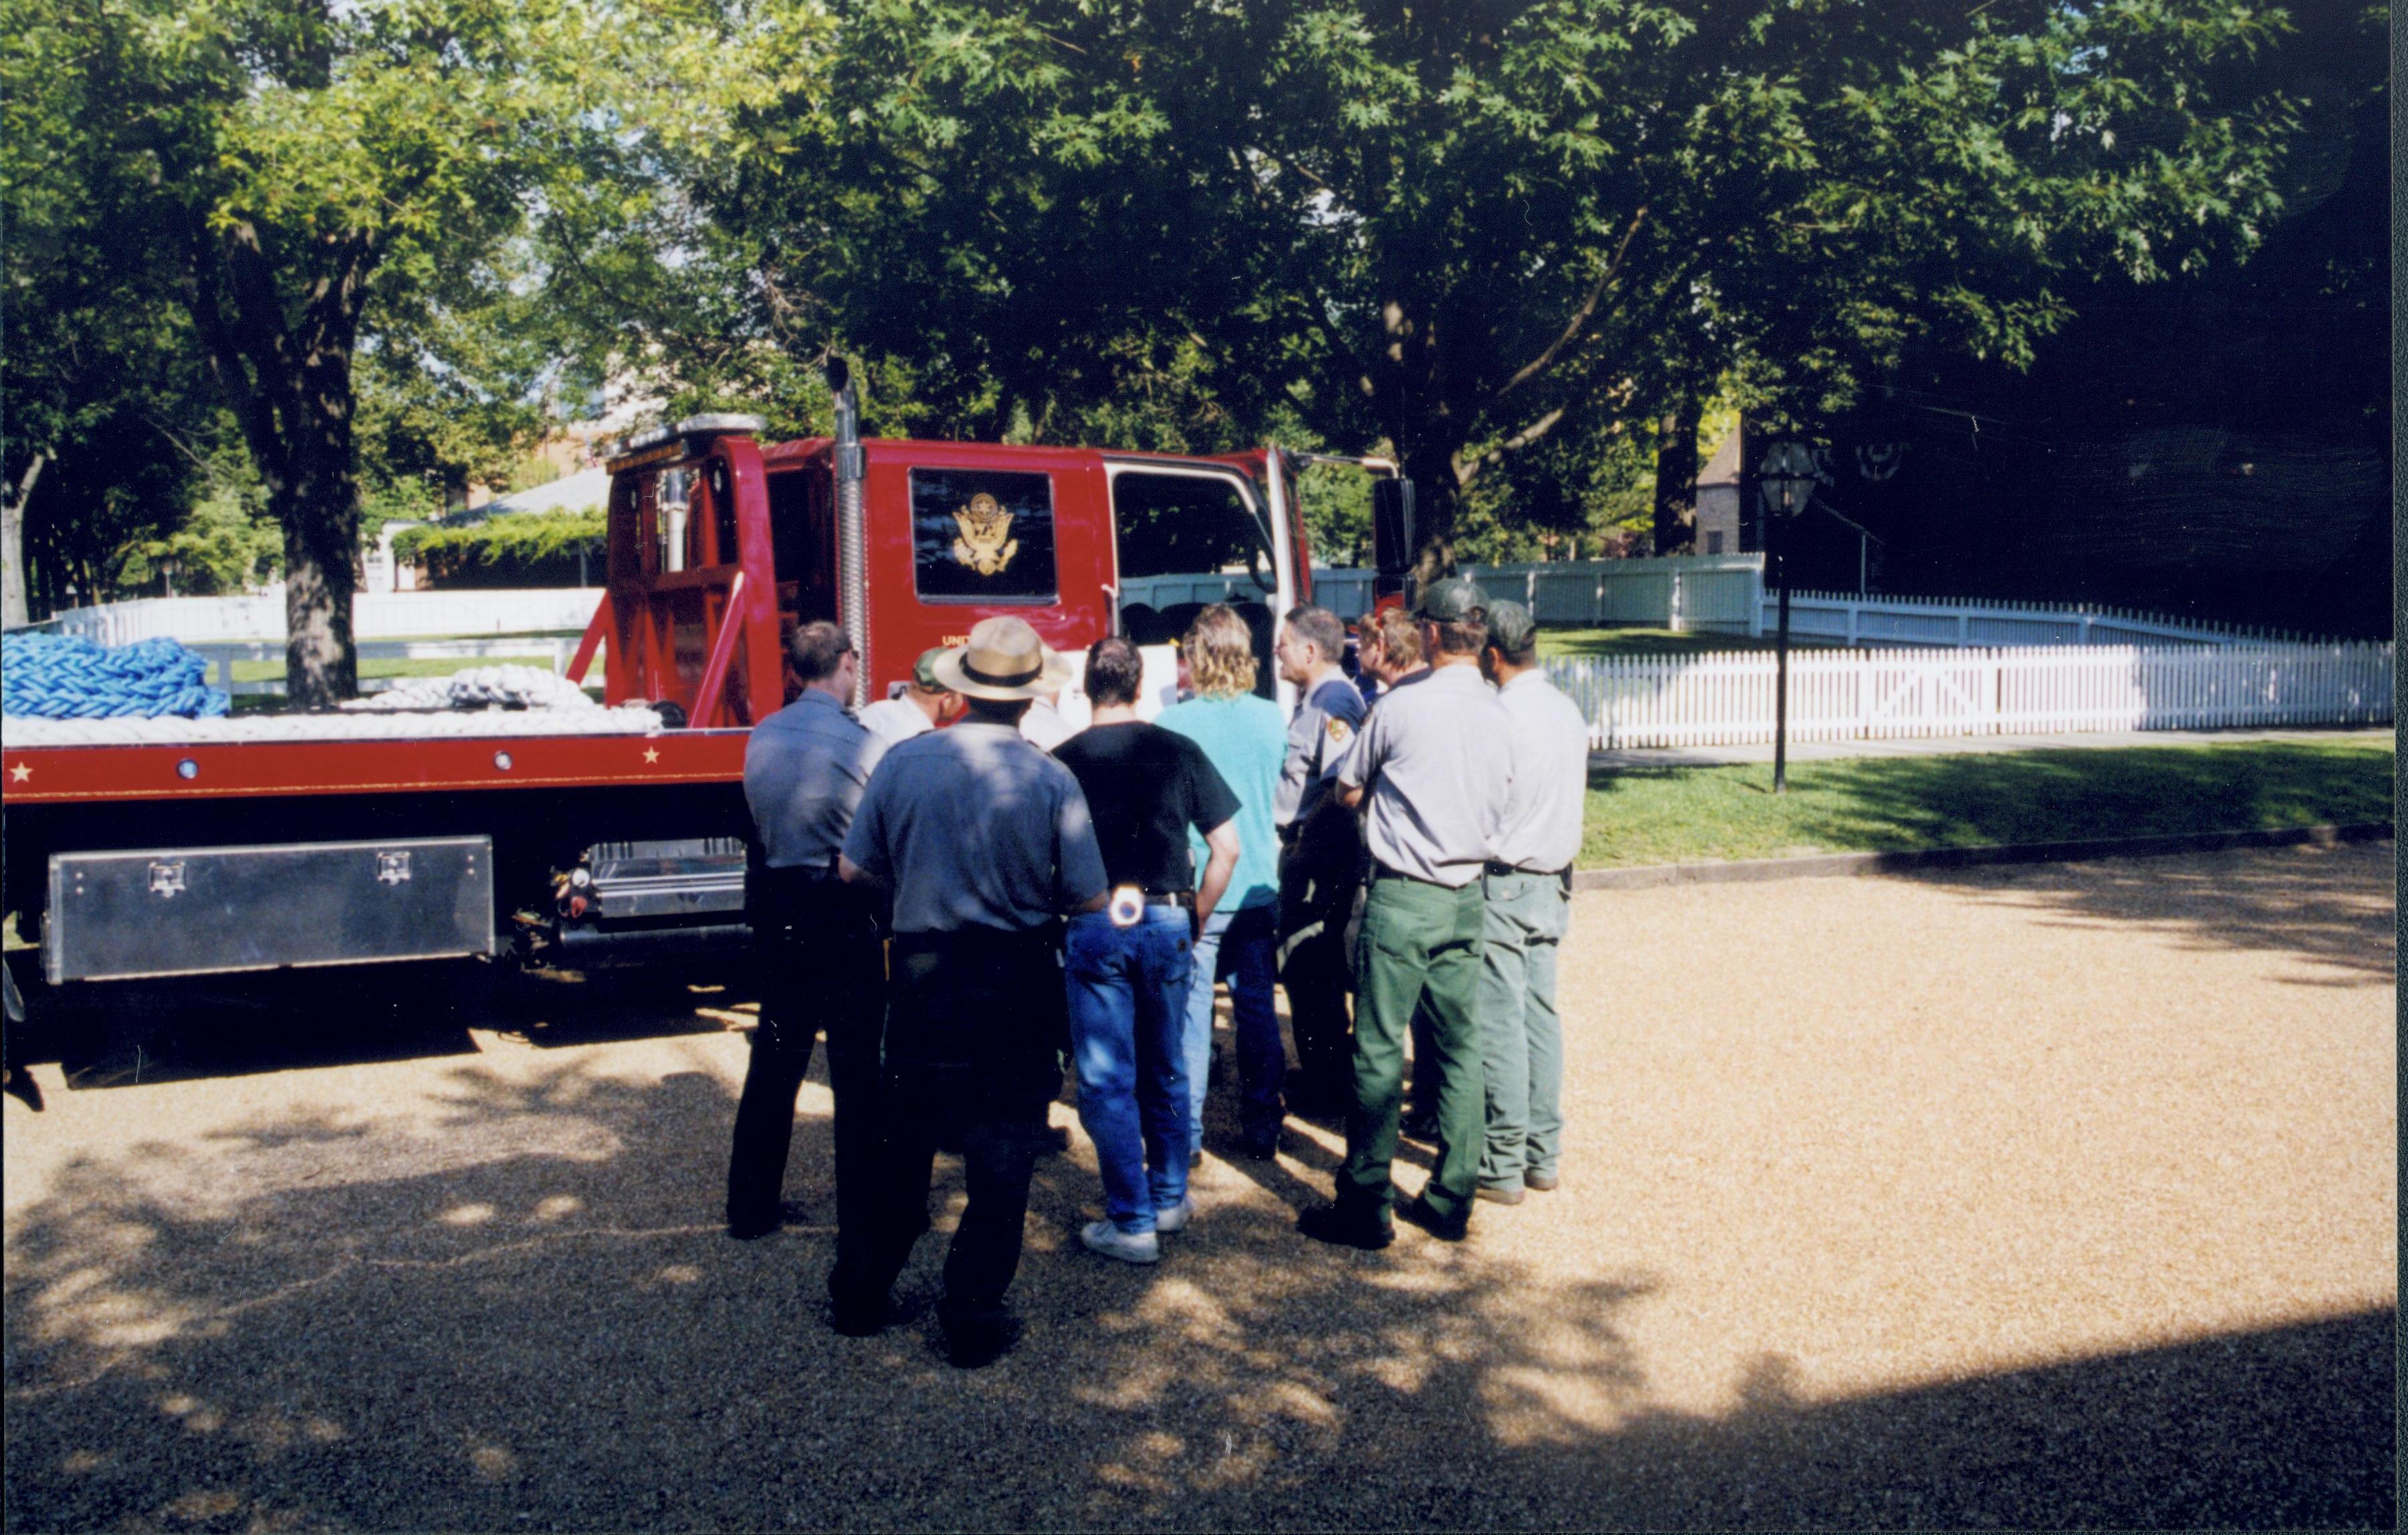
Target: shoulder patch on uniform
1340, 731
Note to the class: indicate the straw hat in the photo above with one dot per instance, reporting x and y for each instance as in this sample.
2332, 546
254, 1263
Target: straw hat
1003, 659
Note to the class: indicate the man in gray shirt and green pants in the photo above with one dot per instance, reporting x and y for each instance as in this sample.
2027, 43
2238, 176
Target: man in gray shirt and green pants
1528, 886
1430, 765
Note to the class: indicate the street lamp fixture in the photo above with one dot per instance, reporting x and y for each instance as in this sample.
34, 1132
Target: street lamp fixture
1787, 480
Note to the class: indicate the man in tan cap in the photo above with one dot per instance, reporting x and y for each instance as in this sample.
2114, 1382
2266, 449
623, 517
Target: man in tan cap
982, 844
924, 704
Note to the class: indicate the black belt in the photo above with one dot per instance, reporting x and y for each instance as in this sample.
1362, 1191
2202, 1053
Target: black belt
1184, 899
803, 873
1492, 866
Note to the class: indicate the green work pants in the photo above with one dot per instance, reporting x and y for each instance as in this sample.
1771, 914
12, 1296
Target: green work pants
1418, 940
1521, 1039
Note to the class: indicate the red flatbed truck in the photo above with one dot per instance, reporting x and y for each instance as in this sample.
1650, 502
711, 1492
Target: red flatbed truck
152, 848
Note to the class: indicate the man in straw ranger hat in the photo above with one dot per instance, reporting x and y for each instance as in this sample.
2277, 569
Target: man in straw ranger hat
983, 843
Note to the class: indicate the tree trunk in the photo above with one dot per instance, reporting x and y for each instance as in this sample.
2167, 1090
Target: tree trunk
1676, 482
320, 515
288, 375
14, 611
321, 523
1431, 467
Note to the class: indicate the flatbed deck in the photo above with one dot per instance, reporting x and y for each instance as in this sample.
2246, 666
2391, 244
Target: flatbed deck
83, 761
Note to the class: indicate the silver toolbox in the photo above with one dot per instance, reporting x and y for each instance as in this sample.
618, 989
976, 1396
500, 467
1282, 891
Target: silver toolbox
191, 911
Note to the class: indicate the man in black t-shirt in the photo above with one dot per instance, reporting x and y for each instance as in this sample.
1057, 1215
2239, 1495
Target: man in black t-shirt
1128, 967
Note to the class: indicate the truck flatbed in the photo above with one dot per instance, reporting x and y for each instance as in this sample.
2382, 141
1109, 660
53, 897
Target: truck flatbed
83, 761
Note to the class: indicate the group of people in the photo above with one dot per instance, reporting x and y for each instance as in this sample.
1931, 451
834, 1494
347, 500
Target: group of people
1407, 841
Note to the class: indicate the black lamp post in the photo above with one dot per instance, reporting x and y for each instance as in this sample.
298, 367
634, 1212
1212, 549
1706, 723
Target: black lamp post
1786, 480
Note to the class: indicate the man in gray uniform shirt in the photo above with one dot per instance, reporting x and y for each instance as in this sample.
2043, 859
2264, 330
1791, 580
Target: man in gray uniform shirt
1430, 765
1527, 890
804, 770
1320, 856
984, 843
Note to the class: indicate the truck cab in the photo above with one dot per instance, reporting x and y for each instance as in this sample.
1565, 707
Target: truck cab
719, 546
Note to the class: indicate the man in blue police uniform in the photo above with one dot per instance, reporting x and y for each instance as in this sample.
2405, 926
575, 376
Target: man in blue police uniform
1321, 856
804, 771
984, 844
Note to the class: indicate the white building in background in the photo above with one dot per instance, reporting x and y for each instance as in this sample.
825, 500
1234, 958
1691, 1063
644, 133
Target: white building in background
1718, 501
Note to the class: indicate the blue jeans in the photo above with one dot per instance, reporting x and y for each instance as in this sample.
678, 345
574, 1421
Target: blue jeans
1244, 947
1128, 990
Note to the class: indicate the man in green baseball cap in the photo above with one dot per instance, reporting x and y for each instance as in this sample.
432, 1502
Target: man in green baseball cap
924, 704
1429, 772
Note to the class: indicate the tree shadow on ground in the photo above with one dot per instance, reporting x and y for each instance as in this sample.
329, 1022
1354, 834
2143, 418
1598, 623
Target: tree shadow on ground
515, 1309
2331, 907
1975, 799
129, 1033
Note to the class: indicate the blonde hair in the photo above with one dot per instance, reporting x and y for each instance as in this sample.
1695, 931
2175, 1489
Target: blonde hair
1220, 651
1401, 637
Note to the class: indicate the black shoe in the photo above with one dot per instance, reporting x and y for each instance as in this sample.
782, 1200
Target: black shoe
1499, 1194
1541, 1182
1054, 1141
789, 1211
1421, 1214
1344, 1227
860, 1318
1418, 1123
974, 1345
1260, 1148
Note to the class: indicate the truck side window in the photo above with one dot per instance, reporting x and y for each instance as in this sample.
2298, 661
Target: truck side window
983, 536
1185, 540
1185, 525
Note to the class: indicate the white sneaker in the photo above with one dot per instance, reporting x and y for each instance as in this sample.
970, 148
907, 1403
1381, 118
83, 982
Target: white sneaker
1112, 1242
1177, 1217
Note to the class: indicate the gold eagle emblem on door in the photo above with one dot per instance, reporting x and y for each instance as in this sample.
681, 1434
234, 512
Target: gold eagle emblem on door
986, 544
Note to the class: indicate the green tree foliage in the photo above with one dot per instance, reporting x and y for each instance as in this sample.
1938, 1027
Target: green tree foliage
509, 550
1474, 227
106, 418
313, 182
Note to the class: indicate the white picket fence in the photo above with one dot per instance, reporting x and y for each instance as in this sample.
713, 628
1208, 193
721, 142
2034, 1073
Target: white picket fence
1728, 700
1842, 618
221, 656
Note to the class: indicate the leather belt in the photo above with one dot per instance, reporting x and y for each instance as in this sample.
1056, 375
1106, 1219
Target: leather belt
1492, 866
807, 873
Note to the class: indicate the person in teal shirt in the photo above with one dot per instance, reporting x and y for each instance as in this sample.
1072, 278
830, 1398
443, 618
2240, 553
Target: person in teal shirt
1245, 738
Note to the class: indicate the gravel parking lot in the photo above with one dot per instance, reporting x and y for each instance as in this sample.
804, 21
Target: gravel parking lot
2040, 1196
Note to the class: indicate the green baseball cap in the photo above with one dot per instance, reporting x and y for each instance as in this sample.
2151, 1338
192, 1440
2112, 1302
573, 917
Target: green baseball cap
924, 671
1510, 628
1450, 600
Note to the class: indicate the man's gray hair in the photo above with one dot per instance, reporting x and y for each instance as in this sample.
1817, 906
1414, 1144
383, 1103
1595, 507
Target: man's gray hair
1326, 629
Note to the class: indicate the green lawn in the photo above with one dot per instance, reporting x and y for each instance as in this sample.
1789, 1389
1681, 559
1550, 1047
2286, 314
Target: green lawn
1678, 815
397, 666
1642, 644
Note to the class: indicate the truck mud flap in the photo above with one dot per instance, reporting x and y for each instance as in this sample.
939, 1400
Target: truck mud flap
201, 910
